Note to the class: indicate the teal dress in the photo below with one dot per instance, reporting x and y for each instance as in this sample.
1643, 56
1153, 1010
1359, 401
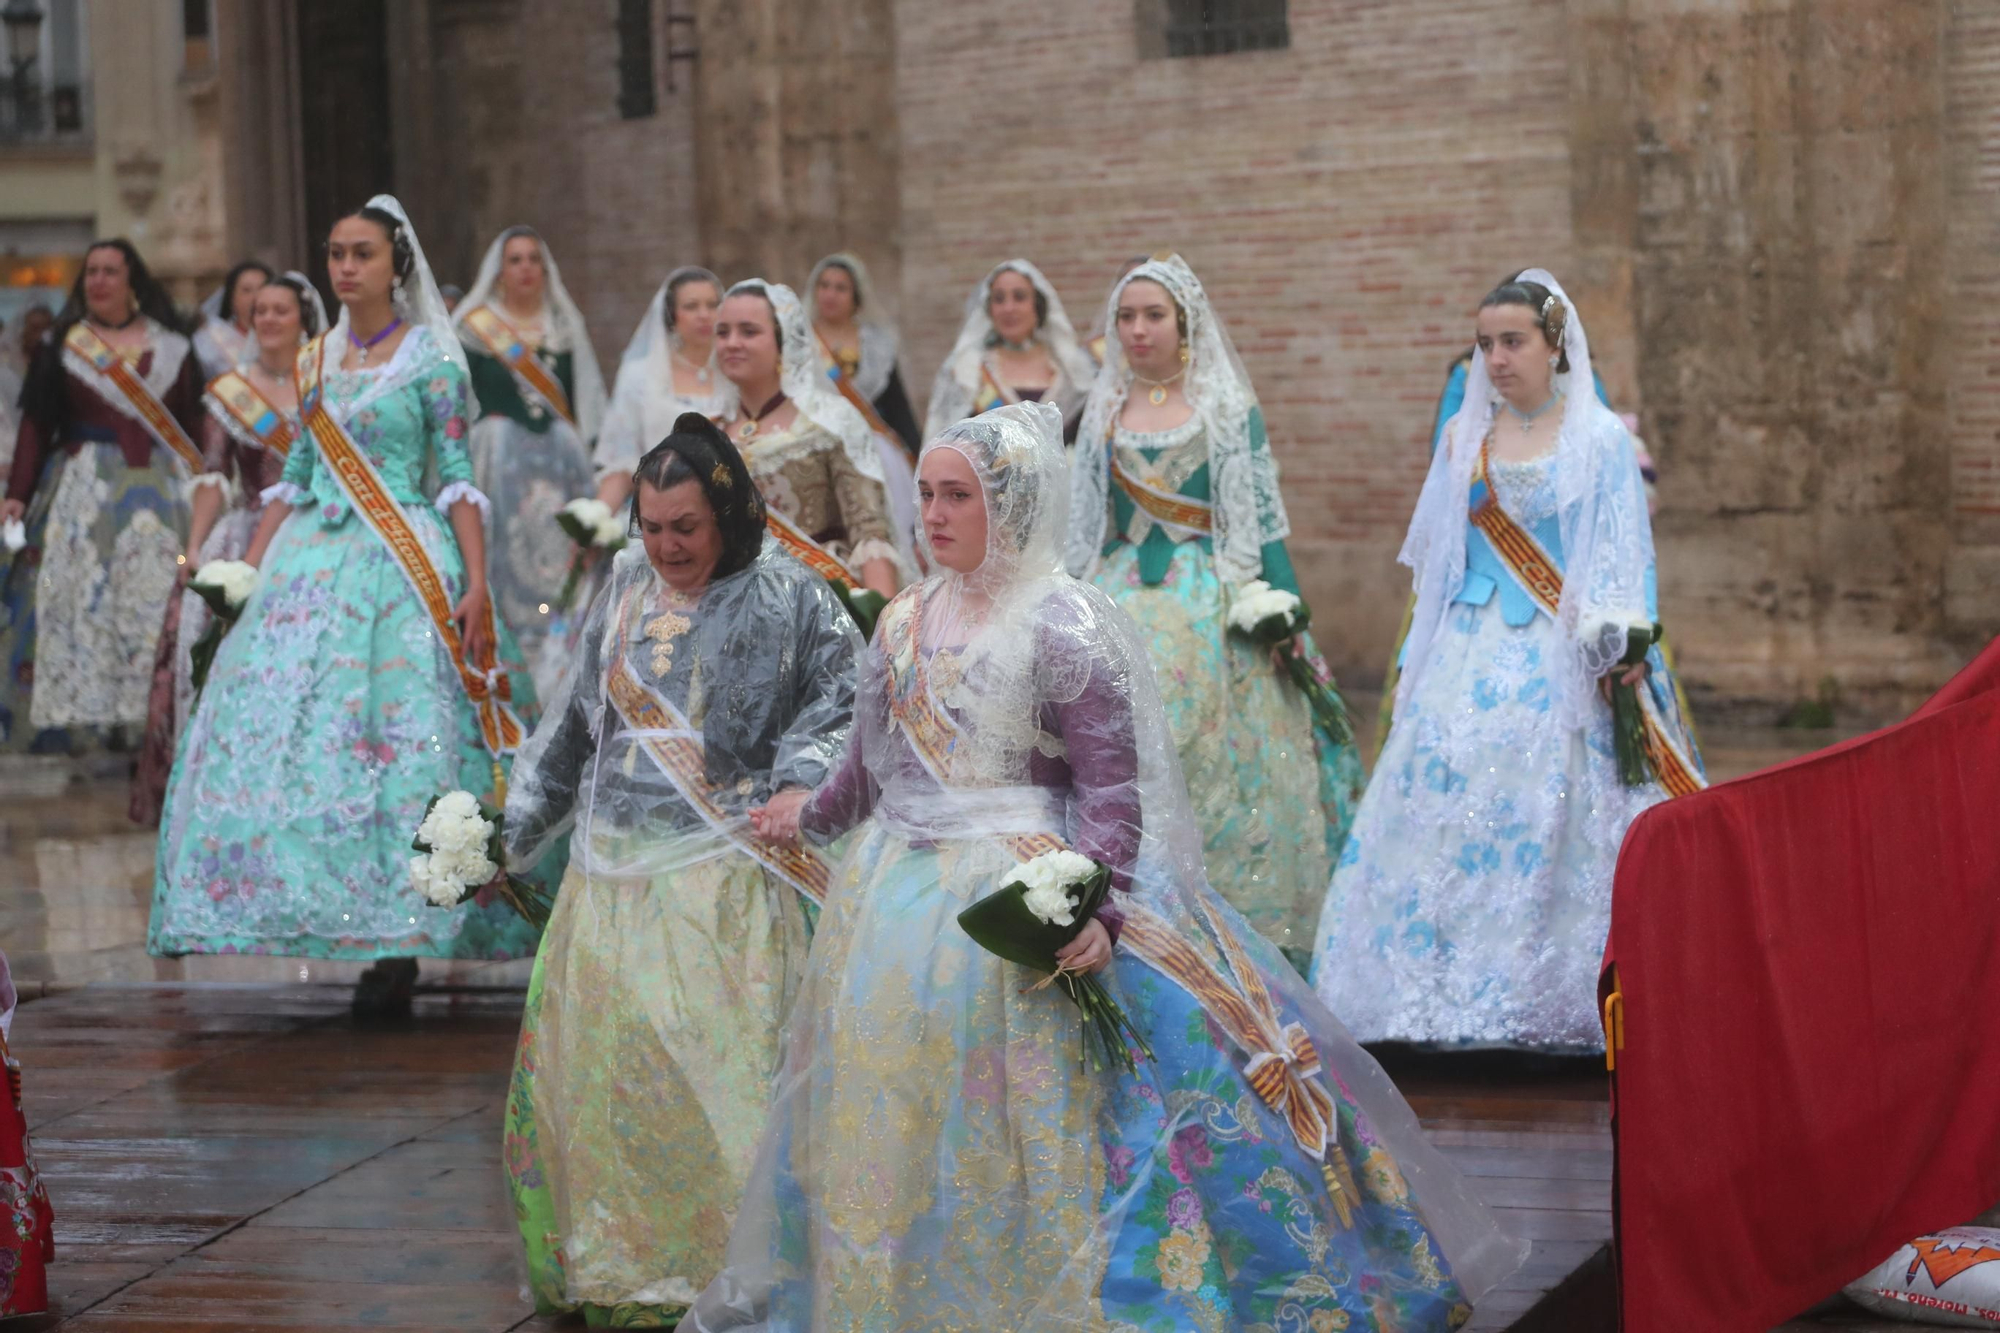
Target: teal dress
333, 712
1274, 793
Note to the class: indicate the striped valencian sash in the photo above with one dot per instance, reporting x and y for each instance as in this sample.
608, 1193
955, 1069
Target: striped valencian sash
506, 347
92, 352
234, 401
809, 552
990, 392
1283, 1067
1541, 578
1168, 507
673, 744
851, 393
486, 685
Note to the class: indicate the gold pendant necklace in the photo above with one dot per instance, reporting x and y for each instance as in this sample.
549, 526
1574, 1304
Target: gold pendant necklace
1157, 395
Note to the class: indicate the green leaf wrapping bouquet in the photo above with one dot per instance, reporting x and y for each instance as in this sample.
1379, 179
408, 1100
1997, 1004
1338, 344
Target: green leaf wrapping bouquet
592, 525
226, 586
1042, 906
462, 848
1272, 618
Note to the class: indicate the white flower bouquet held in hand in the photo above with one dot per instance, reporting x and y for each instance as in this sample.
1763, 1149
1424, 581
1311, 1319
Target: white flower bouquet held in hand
1043, 905
226, 586
1273, 618
13, 534
593, 526
461, 851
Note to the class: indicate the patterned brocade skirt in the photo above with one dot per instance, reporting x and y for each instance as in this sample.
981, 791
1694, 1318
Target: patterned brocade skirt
1273, 794
642, 1081
331, 717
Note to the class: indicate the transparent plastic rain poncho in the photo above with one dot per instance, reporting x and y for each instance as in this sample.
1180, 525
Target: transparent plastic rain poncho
939, 1153
761, 670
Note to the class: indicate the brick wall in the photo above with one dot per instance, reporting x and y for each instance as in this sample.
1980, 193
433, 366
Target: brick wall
1972, 111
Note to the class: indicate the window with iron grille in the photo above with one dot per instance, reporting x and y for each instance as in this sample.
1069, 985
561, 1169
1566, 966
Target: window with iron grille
636, 99
1212, 27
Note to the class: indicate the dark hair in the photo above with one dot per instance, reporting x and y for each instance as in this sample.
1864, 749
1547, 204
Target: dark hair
681, 279
1041, 301
1550, 319
756, 287
1180, 315
154, 302
853, 278
308, 321
228, 311
697, 450
402, 255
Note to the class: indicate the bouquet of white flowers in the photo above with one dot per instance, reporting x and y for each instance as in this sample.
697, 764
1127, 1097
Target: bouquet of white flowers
593, 527
1273, 618
226, 586
1038, 910
13, 534
1628, 719
461, 851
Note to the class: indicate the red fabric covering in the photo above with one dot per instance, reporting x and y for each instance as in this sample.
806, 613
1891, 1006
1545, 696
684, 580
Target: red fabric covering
1808, 961
27, 1238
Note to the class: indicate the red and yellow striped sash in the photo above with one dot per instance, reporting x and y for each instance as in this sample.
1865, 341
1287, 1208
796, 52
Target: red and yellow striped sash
848, 390
1283, 1067
1535, 570
499, 338
809, 552
1166, 507
238, 399
485, 684
673, 744
152, 413
991, 393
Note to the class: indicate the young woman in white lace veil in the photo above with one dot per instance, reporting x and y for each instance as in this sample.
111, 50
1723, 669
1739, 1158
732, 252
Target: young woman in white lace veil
541, 400
335, 709
1491, 934
253, 420
668, 368
713, 671
222, 332
858, 348
941, 1152
1016, 345
818, 461
1177, 508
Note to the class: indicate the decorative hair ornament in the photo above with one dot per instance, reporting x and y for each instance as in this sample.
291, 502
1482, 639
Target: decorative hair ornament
1555, 319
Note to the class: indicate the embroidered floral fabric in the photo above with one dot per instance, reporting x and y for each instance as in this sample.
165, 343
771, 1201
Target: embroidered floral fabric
333, 713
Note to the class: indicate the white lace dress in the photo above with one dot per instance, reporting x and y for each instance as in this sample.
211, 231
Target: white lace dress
1472, 901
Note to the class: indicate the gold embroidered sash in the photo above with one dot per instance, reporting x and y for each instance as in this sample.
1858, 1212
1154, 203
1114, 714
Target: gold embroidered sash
1537, 573
1283, 1066
485, 683
676, 747
841, 381
809, 552
1168, 507
152, 413
990, 393
506, 346
238, 401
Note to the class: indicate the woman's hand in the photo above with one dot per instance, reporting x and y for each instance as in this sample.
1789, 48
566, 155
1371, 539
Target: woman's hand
778, 821
1292, 647
1090, 951
12, 511
471, 620
1633, 675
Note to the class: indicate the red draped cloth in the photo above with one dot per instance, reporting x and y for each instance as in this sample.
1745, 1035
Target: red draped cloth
1809, 960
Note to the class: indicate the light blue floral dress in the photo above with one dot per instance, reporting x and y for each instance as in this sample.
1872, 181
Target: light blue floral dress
333, 712
1274, 794
1473, 898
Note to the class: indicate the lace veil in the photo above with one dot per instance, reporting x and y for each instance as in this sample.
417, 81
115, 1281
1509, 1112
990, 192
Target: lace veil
798, 375
565, 328
881, 345
1606, 539
419, 304
1248, 511
957, 383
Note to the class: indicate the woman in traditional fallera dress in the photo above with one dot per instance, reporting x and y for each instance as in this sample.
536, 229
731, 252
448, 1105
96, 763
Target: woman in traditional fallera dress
1473, 900
225, 334
541, 399
109, 417
940, 1152
858, 349
1177, 507
361, 678
253, 419
668, 368
1016, 345
814, 456
27, 1223
714, 671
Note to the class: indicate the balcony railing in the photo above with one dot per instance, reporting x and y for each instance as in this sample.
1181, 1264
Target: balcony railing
38, 114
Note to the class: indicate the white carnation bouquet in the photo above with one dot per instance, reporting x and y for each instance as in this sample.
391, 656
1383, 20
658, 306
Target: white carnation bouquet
226, 586
1273, 618
593, 526
460, 848
1042, 906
